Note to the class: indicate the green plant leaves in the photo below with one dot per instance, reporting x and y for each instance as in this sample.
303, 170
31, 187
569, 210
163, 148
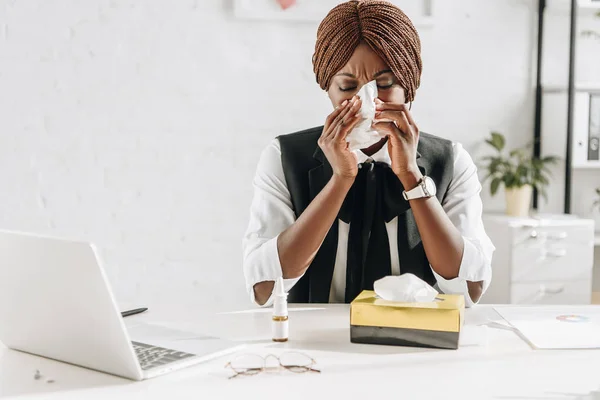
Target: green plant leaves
497, 141
495, 185
517, 169
515, 152
550, 159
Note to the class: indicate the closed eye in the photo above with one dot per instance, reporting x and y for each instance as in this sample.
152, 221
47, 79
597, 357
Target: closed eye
384, 87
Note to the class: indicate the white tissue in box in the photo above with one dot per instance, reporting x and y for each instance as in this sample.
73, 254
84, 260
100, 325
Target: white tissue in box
363, 135
406, 288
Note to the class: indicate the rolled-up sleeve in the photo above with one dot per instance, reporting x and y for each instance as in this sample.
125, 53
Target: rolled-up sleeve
271, 213
463, 206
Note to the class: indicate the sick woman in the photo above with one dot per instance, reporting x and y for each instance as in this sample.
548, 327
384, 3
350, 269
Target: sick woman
331, 220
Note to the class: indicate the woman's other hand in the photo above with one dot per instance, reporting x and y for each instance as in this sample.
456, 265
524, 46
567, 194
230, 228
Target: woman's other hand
403, 137
333, 139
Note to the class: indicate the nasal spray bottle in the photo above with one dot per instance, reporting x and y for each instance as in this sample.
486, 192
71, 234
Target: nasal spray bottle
280, 313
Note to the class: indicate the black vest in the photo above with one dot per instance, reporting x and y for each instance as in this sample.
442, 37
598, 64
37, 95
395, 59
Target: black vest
307, 171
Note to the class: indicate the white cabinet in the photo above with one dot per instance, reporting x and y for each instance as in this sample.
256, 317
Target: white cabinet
540, 260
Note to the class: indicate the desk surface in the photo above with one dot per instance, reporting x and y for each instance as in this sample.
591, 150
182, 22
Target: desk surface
492, 363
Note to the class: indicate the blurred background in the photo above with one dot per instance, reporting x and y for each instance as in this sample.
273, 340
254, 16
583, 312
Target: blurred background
137, 125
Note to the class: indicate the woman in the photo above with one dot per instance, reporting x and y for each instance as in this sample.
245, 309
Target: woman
332, 221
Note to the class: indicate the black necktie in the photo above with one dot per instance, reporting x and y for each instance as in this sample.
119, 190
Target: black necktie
374, 199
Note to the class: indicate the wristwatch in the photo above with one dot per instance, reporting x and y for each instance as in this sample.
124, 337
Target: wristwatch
425, 188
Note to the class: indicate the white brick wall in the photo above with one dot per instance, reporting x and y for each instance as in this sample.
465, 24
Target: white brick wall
137, 124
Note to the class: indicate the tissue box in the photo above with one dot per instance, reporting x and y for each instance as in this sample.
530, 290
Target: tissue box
433, 324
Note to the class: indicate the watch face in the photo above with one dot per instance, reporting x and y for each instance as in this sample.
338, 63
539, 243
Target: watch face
430, 186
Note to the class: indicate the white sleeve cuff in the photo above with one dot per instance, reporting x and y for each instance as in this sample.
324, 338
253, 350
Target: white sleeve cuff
474, 267
269, 269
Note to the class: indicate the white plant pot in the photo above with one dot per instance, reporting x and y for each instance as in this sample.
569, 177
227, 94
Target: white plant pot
518, 201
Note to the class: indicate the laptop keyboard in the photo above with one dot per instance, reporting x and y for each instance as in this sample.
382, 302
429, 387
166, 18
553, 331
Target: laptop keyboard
153, 356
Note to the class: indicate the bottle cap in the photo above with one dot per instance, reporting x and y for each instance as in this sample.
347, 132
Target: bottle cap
280, 300
279, 289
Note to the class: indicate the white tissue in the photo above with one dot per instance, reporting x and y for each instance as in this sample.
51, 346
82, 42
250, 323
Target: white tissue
363, 135
406, 288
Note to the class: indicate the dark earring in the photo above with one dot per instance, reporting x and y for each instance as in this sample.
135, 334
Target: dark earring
410, 106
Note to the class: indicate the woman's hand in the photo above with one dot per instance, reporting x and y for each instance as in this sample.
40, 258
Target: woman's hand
333, 139
403, 136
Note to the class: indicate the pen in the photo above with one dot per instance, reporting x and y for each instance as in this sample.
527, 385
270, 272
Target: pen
133, 312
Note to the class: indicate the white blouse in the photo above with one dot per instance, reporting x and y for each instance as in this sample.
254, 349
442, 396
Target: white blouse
271, 213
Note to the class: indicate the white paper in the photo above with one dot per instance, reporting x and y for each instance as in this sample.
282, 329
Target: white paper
363, 135
556, 327
405, 288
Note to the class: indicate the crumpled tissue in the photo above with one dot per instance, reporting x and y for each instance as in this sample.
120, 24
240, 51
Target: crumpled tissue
405, 288
363, 135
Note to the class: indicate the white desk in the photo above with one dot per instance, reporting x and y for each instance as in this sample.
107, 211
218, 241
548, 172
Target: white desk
494, 365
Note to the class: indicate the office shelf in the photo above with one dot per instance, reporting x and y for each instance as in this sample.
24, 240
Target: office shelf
585, 7
589, 4
579, 87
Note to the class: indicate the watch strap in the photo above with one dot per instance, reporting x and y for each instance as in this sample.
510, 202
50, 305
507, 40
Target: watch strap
417, 192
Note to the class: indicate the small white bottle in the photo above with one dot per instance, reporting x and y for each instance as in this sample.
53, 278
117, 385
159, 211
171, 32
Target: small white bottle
280, 313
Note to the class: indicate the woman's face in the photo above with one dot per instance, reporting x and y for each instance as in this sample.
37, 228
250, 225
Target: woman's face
363, 67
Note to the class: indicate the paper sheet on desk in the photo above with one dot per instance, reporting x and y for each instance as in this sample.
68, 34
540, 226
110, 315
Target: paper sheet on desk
556, 327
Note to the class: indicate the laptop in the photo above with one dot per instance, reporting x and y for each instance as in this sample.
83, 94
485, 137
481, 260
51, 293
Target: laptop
56, 302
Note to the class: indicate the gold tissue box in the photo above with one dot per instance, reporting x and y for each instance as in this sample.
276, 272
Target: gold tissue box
433, 324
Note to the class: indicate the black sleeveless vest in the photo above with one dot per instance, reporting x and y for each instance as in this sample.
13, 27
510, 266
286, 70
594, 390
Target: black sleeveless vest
307, 171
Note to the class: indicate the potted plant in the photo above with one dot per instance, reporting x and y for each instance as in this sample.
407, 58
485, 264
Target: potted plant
519, 172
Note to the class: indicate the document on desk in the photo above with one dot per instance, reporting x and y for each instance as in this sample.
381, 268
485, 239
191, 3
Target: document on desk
556, 327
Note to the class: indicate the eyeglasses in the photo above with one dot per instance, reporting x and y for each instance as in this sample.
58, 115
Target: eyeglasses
252, 364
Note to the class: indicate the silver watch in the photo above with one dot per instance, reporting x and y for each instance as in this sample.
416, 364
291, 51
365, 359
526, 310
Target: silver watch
425, 188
